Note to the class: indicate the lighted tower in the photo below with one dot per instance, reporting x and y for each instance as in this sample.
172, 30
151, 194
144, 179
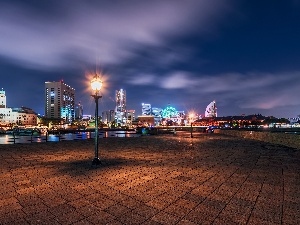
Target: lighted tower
5, 113
146, 109
59, 101
78, 111
120, 106
211, 110
2, 99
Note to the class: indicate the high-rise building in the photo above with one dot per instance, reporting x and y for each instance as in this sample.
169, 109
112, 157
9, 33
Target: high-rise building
211, 110
2, 99
5, 113
130, 116
59, 101
120, 106
157, 113
78, 111
108, 116
146, 109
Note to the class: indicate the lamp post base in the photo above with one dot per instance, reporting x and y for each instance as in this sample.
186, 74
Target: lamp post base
96, 161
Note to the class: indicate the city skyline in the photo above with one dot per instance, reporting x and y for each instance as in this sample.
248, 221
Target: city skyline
242, 54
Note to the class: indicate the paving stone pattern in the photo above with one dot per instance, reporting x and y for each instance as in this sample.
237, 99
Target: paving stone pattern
164, 179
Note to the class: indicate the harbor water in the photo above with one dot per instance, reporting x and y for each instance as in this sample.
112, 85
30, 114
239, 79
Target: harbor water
11, 139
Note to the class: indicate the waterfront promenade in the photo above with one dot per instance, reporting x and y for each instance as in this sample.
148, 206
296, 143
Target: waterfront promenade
160, 179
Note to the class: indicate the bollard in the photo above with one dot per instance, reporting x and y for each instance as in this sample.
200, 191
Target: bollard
14, 137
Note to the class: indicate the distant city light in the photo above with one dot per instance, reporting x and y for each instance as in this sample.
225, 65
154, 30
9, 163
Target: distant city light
169, 112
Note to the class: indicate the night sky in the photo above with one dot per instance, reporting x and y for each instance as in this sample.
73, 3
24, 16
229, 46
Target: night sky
245, 55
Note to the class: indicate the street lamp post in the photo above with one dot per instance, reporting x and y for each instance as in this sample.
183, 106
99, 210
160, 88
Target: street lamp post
96, 84
191, 116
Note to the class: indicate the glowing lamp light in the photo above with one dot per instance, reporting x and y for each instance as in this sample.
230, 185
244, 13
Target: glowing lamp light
96, 83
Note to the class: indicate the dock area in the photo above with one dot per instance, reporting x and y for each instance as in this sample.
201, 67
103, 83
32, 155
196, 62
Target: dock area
211, 178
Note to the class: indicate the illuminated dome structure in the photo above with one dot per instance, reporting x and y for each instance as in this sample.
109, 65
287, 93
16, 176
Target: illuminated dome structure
211, 110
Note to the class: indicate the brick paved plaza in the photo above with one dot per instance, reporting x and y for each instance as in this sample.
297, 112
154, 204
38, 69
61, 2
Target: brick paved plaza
208, 179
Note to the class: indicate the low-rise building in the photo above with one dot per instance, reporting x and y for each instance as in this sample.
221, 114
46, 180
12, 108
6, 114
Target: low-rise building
146, 121
23, 116
15, 116
18, 116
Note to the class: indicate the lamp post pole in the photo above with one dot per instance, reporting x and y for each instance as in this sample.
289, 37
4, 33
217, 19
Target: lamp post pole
96, 160
96, 84
191, 116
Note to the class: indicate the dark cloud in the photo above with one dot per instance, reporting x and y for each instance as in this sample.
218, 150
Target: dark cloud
187, 53
40, 35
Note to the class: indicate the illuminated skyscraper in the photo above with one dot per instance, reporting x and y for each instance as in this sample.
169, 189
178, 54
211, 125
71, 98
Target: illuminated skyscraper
108, 116
130, 116
78, 111
211, 110
59, 101
5, 113
120, 106
157, 113
2, 99
146, 109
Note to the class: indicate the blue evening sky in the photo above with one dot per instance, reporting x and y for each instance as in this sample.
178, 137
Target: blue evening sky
243, 54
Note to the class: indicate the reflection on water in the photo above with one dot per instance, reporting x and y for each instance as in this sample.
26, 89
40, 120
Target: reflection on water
10, 139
